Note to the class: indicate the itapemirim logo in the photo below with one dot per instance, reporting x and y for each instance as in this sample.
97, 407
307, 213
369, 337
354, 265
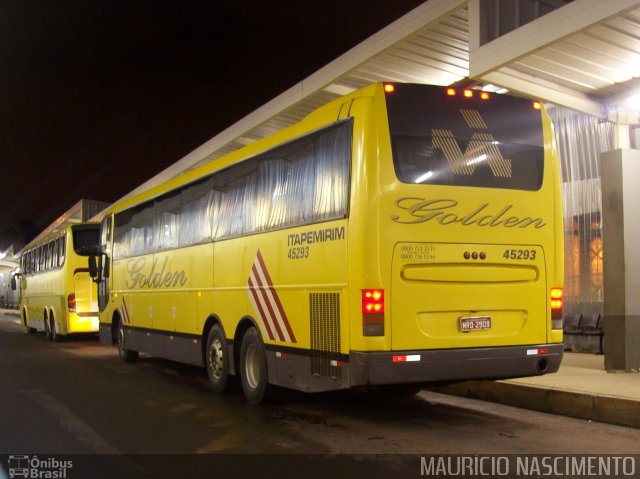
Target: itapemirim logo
38, 468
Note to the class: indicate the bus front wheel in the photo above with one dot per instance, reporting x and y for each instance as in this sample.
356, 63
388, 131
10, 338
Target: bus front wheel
216, 359
253, 367
127, 355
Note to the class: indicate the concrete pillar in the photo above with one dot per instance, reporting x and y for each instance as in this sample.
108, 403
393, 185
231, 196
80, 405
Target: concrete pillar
621, 253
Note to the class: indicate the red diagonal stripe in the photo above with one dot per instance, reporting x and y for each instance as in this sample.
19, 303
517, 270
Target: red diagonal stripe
254, 293
124, 310
267, 300
276, 297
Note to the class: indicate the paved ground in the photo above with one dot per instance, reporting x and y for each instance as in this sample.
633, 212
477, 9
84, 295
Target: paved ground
76, 397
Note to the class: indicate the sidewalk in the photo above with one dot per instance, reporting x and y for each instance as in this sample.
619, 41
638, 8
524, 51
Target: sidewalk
10, 312
581, 388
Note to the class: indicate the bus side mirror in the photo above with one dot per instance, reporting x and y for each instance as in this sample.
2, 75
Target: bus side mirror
93, 267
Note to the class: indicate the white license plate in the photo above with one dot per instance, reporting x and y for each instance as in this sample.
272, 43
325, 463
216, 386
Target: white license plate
474, 323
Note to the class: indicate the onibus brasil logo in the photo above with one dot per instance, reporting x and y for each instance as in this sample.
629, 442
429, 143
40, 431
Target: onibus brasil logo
40, 468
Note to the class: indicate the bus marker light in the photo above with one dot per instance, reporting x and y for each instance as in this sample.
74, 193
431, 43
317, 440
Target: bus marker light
337, 364
406, 358
468, 93
389, 88
537, 351
484, 95
537, 105
451, 91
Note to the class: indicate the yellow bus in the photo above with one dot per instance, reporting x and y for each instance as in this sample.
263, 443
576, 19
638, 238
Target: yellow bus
57, 295
400, 234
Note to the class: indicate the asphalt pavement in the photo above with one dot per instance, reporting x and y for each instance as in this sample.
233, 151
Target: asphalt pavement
582, 388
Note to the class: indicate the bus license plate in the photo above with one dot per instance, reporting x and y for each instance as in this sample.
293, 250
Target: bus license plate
474, 323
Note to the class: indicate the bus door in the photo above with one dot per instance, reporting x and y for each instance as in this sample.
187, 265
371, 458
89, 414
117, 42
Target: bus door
441, 299
104, 263
85, 292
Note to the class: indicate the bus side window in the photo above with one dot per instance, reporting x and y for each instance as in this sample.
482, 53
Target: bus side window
54, 253
61, 250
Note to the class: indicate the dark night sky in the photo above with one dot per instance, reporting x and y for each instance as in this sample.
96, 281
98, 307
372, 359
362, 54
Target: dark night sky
97, 96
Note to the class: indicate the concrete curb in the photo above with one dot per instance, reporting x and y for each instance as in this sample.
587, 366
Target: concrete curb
609, 409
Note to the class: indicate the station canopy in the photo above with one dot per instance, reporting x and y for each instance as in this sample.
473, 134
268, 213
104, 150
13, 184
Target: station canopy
585, 55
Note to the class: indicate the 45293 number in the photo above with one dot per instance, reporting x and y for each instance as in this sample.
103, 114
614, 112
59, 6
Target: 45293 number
516, 254
301, 252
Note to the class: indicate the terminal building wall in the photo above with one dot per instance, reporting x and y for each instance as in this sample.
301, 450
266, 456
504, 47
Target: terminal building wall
581, 139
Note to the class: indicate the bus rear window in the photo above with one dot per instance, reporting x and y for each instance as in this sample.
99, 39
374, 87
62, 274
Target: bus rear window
443, 139
86, 240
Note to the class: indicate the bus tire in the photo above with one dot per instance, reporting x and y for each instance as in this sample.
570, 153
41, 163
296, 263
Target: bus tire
30, 330
47, 329
216, 360
127, 355
253, 367
56, 337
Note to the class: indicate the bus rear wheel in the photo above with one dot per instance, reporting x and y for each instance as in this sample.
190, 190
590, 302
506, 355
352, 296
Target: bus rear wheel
253, 369
47, 329
216, 359
127, 355
53, 331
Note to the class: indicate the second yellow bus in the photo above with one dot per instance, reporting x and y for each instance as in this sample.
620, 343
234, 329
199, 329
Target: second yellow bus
57, 295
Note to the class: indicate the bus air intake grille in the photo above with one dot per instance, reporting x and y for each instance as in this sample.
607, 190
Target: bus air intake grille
324, 314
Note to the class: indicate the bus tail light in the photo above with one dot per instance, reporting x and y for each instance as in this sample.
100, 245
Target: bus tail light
71, 302
373, 312
556, 304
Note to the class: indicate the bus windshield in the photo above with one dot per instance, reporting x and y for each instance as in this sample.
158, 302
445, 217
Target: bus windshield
440, 136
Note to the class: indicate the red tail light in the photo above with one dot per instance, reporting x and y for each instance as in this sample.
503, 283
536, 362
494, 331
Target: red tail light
71, 302
556, 303
373, 300
373, 312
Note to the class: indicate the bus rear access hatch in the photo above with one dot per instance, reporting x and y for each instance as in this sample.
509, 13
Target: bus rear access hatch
464, 296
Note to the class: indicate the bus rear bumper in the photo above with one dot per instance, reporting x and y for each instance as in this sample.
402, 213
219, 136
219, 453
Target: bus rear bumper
423, 366
82, 323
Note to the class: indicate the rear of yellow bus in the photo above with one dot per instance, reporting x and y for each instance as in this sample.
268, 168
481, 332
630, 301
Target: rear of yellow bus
82, 296
463, 267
